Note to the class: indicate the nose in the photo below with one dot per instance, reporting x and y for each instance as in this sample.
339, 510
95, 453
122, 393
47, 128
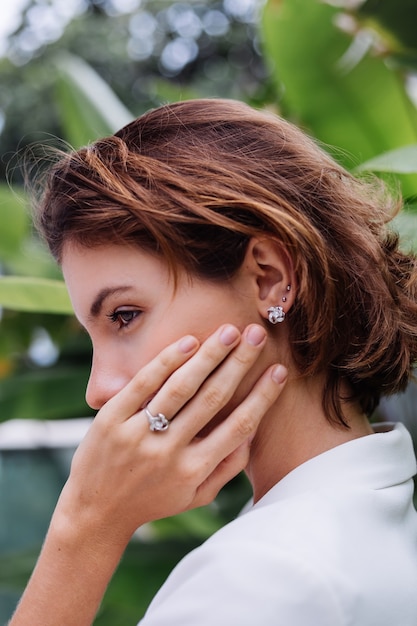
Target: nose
106, 380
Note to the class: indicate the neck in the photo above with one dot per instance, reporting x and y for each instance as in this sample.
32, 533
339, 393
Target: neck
295, 430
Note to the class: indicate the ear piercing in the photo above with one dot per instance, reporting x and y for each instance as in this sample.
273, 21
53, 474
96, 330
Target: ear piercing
276, 314
284, 298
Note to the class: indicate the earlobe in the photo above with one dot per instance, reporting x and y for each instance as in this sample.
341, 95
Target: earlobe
276, 314
275, 278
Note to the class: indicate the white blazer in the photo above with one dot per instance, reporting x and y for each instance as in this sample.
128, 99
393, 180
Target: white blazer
334, 543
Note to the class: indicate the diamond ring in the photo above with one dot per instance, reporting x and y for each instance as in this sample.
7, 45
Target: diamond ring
156, 422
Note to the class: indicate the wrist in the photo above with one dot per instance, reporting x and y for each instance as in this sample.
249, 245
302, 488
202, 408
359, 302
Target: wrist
83, 525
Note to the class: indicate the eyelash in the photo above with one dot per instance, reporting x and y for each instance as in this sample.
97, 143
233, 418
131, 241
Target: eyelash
116, 317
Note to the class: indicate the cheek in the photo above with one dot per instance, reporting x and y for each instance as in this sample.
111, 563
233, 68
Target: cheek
176, 322
141, 348
198, 316
203, 315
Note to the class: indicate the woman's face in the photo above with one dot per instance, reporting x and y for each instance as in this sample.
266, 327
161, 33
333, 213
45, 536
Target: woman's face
126, 301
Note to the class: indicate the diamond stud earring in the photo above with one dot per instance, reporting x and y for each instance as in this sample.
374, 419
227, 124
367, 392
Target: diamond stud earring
276, 314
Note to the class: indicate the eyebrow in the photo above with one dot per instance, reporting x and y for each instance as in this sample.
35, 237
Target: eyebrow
102, 296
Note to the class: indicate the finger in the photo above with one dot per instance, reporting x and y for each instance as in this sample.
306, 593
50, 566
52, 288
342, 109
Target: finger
183, 384
242, 423
218, 388
227, 469
149, 379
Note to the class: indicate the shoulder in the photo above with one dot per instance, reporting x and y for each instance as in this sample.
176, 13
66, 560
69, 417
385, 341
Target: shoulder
245, 583
247, 573
314, 558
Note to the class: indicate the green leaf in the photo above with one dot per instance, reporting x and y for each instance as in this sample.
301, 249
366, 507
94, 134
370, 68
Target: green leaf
14, 221
167, 91
398, 19
89, 108
399, 161
201, 522
34, 294
405, 223
363, 108
49, 393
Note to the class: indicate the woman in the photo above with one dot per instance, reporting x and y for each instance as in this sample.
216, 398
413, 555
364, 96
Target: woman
247, 308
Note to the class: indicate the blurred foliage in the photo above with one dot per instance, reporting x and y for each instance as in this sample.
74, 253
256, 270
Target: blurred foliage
395, 23
342, 70
22, 293
149, 557
156, 51
338, 84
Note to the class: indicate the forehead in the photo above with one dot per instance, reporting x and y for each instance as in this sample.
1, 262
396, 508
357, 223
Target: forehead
109, 258
88, 271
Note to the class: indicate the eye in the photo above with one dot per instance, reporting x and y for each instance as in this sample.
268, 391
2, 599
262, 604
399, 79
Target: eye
123, 317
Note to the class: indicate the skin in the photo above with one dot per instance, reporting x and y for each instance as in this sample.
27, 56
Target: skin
134, 324
204, 355
152, 314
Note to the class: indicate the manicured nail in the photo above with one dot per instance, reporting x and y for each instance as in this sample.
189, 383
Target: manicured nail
188, 344
279, 374
228, 335
255, 335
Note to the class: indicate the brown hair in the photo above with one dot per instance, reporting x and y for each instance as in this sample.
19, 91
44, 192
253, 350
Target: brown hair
193, 181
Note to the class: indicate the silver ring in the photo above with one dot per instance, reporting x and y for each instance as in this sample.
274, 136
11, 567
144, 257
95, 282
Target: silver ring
156, 422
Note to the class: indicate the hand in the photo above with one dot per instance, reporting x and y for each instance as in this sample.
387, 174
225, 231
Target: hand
124, 475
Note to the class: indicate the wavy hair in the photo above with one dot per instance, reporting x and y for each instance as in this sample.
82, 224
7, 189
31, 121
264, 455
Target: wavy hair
195, 180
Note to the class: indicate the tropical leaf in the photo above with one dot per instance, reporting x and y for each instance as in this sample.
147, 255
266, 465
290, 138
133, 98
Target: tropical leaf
34, 294
361, 107
201, 522
396, 20
89, 108
399, 161
405, 223
49, 393
14, 220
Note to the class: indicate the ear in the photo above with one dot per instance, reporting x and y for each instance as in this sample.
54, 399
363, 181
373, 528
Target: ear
272, 268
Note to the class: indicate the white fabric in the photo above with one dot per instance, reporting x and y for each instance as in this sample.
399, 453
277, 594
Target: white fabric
332, 544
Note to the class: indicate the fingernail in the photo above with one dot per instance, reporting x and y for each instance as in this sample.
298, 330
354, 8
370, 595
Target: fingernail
279, 374
255, 335
228, 335
188, 344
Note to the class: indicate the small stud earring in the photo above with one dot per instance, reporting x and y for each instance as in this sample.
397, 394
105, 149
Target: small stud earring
276, 314
284, 298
